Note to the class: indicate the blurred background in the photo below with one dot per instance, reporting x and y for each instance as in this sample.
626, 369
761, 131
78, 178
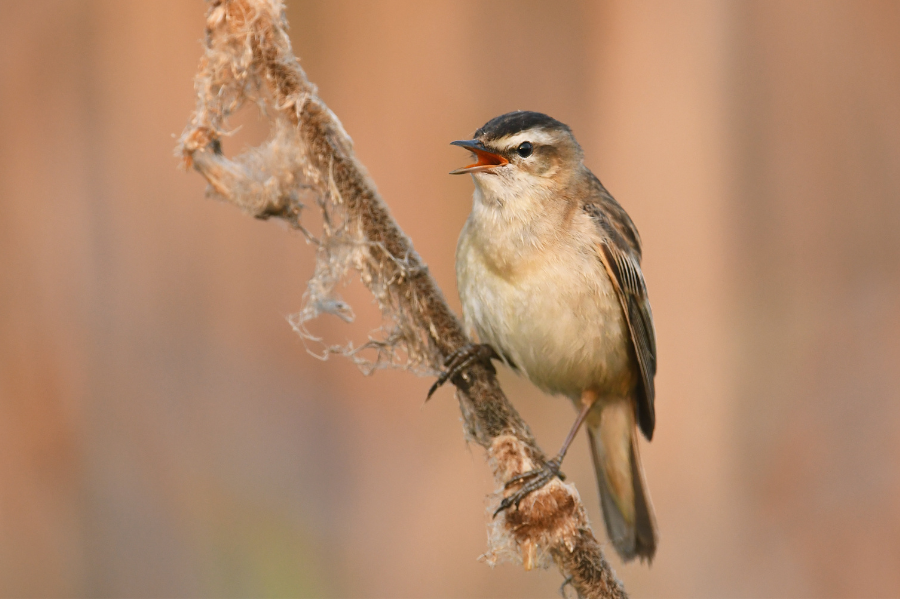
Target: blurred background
163, 432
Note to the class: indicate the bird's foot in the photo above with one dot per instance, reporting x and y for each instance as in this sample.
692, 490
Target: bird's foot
461, 360
531, 481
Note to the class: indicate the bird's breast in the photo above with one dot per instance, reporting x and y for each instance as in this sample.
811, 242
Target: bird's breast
549, 306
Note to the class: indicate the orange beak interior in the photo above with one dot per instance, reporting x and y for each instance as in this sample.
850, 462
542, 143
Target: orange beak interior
486, 161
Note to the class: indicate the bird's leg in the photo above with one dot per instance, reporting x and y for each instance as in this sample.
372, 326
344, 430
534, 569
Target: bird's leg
461, 360
537, 478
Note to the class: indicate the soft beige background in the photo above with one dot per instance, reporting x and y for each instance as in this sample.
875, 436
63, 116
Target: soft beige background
164, 433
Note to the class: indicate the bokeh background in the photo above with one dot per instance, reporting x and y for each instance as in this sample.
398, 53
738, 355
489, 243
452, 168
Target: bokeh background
163, 432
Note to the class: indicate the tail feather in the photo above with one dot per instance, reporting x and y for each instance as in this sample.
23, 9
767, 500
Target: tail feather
627, 509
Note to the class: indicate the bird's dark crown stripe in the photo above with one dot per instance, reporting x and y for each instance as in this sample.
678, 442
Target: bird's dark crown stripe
515, 122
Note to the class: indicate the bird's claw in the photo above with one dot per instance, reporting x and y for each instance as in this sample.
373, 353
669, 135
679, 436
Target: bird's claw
567, 582
531, 482
461, 360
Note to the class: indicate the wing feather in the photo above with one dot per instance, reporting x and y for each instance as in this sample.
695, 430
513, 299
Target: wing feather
620, 253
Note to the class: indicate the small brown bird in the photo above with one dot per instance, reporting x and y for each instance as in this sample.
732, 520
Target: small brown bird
548, 269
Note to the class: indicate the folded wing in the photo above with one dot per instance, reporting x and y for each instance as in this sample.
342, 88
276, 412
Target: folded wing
619, 250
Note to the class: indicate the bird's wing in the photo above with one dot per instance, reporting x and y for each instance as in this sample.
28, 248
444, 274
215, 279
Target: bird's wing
619, 250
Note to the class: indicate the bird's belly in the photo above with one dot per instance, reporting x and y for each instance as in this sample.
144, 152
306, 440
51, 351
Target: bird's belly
559, 322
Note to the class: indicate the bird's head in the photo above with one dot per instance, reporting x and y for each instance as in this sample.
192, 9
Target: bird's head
521, 152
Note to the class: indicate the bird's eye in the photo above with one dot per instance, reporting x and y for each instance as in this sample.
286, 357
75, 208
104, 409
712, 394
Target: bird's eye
525, 149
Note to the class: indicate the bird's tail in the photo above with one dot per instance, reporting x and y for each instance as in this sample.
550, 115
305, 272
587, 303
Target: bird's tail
627, 509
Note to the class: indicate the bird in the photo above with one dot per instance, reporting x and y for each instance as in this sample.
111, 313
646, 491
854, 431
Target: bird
548, 268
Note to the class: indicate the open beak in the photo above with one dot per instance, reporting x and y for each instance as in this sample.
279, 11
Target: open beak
486, 160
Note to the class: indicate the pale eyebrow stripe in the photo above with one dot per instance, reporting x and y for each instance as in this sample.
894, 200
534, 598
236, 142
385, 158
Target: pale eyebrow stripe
535, 136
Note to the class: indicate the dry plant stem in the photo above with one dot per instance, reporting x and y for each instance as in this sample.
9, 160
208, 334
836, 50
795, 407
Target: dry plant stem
248, 58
